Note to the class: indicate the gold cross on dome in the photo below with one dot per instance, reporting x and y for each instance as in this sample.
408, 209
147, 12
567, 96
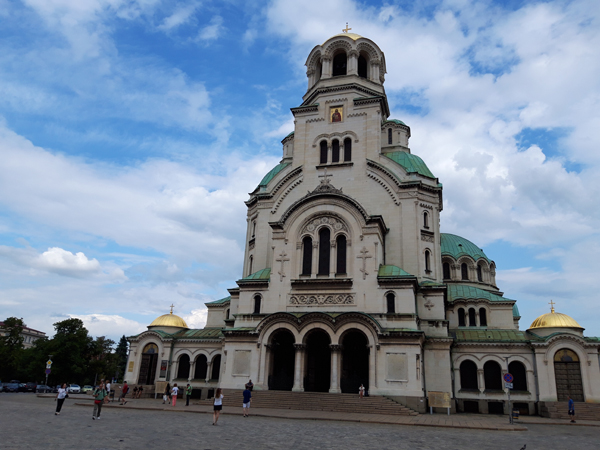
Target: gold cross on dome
172, 306
345, 30
551, 303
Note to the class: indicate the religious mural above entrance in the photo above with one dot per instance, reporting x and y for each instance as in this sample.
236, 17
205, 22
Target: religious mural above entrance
321, 299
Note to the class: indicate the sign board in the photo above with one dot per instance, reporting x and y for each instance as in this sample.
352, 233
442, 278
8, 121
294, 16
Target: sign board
163, 368
48, 366
130, 368
439, 399
47, 371
49, 362
508, 378
160, 387
508, 385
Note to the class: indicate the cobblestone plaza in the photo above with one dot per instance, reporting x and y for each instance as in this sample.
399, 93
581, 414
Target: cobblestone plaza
28, 421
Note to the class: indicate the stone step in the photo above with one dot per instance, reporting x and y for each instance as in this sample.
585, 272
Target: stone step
558, 410
315, 401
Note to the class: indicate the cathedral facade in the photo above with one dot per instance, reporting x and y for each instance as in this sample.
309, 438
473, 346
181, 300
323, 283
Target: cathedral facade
348, 279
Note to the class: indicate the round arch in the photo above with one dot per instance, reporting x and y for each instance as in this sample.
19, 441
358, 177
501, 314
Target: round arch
282, 360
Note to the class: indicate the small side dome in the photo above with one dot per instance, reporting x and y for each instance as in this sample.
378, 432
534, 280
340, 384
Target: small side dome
555, 320
456, 246
169, 320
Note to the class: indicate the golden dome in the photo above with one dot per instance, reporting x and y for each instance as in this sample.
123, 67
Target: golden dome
555, 320
169, 320
352, 36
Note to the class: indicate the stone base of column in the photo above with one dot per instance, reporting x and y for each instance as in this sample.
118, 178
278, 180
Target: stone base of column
297, 389
335, 391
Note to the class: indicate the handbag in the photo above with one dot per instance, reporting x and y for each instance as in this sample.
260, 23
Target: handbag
97, 402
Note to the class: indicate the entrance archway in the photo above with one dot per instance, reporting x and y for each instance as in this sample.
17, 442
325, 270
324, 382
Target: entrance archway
567, 372
148, 364
318, 362
355, 362
281, 377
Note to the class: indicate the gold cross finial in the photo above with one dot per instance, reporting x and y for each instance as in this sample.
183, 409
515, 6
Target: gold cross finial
345, 30
172, 306
551, 306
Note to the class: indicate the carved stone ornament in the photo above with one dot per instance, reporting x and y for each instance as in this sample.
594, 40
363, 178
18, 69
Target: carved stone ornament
327, 219
429, 305
321, 299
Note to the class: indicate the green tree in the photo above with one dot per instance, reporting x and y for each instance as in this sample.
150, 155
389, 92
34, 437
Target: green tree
11, 348
71, 348
121, 357
101, 359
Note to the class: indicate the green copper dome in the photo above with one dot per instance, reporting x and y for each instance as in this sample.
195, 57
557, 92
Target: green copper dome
457, 246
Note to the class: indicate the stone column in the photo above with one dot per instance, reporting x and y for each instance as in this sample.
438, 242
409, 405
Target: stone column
326, 67
192, 370
332, 258
373, 367
334, 386
481, 380
208, 370
457, 382
315, 259
352, 68
298, 381
530, 381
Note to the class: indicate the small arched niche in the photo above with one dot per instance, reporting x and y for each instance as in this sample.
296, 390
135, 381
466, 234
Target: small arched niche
340, 64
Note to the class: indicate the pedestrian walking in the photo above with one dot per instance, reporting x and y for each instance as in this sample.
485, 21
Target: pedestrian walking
60, 398
218, 405
249, 385
107, 398
124, 392
188, 394
99, 395
140, 391
174, 392
361, 391
246, 403
572, 409
167, 393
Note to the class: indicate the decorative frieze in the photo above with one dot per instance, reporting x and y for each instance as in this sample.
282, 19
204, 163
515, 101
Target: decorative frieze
321, 299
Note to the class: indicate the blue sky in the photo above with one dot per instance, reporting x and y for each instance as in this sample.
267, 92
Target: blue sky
131, 132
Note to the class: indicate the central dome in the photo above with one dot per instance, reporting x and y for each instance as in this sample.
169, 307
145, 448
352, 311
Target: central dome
169, 320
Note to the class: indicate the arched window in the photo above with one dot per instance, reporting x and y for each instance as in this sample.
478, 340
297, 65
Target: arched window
461, 317
482, 317
362, 67
479, 273
307, 247
216, 368
227, 314
492, 376
347, 149
468, 375
323, 159
256, 304
335, 151
250, 265
183, 368
253, 228
472, 321
339, 64
201, 367
446, 267
425, 219
324, 251
464, 271
427, 262
391, 303
517, 370
389, 136
340, 245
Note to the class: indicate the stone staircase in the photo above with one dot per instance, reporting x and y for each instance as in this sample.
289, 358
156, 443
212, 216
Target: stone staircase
558, 410
315, 401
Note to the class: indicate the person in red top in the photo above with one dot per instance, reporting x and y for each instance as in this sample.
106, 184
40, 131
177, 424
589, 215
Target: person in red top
124, 392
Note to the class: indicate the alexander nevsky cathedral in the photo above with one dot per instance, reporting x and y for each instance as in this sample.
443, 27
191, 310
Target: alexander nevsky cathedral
348, 279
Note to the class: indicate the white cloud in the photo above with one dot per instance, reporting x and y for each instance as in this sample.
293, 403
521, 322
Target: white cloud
111, 326
180, 16
211, 31
197, 318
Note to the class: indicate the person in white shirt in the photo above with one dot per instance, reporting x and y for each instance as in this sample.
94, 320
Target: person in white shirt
174, 392
108, 391
361, 391
60, 398
218, 405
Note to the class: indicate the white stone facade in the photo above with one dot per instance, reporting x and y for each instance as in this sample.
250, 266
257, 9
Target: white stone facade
345, 278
